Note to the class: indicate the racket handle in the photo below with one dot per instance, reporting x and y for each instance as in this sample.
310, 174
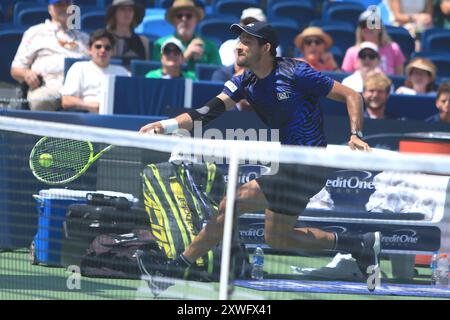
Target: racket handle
99, 199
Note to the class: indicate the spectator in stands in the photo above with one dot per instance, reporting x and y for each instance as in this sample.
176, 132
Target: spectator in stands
227, 49
122, 16
442, 104
376, 93
441, 14
184, 15
369, 63
313, 43
421, 75
82, 87
172, 60
226, 73
39, 61
415, 16
370, 28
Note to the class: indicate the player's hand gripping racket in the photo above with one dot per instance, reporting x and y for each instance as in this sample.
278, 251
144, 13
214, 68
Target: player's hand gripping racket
59, 161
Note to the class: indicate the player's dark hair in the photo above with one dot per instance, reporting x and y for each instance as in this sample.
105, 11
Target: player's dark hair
99, 34
273, 49
443, 88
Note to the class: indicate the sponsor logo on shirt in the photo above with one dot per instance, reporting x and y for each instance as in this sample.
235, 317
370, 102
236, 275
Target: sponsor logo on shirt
231, 86
282, 96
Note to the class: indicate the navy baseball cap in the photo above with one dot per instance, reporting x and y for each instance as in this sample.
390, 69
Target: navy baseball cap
257, 29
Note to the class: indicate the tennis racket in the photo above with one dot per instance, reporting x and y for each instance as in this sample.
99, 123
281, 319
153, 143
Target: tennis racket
59, 161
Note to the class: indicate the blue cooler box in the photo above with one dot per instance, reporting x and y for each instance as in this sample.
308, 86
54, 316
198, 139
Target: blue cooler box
52, 206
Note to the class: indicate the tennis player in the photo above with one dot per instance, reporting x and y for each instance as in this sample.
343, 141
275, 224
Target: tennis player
285, 94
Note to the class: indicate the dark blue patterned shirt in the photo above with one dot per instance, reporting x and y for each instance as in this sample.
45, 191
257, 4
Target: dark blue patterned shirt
287, 99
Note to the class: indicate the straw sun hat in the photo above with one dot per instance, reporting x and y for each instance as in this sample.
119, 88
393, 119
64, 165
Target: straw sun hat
313, 32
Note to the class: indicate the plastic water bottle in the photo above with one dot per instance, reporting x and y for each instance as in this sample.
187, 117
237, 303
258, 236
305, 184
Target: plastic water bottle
442, 270
258, 264
433, 267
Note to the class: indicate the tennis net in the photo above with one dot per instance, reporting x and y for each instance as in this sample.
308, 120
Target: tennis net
51, 240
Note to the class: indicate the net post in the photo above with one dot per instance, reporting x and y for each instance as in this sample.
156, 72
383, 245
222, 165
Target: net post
228, 224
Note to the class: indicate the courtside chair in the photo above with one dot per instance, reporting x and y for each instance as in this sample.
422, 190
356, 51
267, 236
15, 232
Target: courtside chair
234, 7
300, 12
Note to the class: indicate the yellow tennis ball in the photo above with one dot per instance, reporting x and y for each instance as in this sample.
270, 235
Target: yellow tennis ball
46, 160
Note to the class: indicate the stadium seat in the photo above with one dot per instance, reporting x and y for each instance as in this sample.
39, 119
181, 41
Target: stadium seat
286, 31
9, 42
320, 23
22, 5
68, 62
205, 71
343, 37
337, 76
155, 24
343, 12
217, 28
270, 3
397, 81
403, 38
163, 3
234, 7
93, 20
300, 12
416, 107
32, 16
441, 60
436, 40
139, 68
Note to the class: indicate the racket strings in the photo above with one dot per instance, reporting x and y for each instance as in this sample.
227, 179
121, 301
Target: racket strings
68, 158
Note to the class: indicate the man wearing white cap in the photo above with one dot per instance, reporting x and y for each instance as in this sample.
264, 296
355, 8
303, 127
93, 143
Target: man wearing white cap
172, 60
368, 63
227, 49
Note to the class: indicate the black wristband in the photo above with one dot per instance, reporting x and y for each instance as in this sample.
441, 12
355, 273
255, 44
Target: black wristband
213, 108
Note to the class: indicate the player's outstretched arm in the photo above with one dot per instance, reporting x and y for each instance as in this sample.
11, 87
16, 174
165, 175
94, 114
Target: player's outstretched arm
213, 109
354, 103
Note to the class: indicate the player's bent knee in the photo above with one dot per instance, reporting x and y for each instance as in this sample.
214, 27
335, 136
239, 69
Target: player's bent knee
275, 241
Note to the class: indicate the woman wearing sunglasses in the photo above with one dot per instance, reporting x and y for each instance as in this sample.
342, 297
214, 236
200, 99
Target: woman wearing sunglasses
82, 86
313, 44
370, 28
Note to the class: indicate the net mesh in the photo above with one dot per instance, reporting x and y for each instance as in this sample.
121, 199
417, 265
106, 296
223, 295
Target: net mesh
155, 195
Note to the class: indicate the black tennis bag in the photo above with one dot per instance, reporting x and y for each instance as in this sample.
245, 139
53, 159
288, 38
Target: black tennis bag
84, 222
179, 200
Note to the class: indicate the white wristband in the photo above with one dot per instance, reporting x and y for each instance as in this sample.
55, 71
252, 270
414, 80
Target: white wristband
169, 125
